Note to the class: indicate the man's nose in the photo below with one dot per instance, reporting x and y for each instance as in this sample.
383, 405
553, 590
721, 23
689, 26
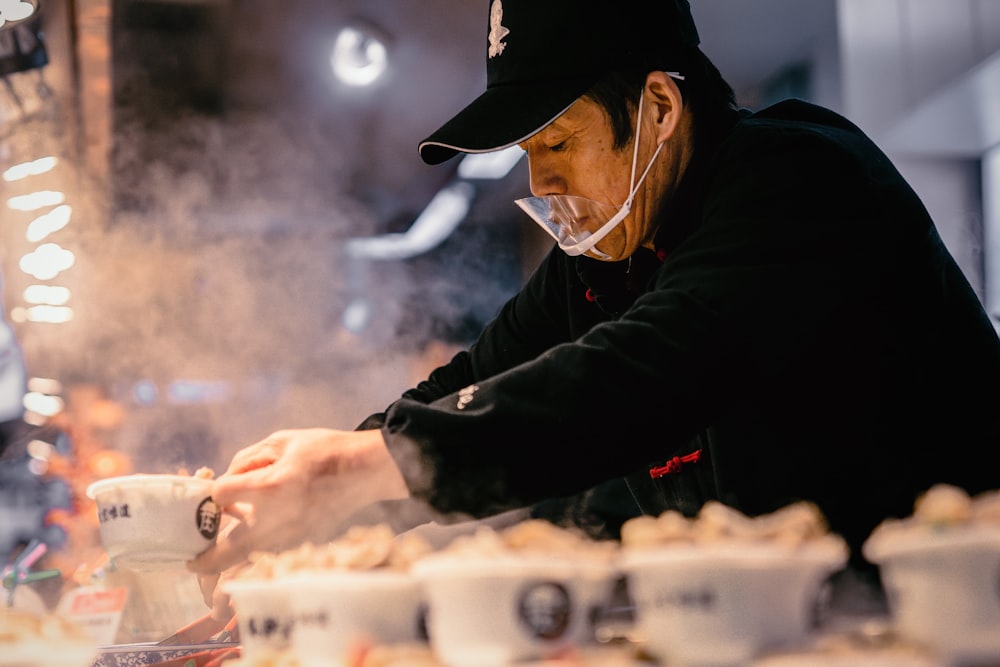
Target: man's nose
543, 178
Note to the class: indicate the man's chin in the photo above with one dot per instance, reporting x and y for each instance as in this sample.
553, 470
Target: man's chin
608, 252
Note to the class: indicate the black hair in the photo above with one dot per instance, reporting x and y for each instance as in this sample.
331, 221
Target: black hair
706, 92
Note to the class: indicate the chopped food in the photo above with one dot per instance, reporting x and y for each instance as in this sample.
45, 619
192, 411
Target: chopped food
360, 548
531, 536
791, 526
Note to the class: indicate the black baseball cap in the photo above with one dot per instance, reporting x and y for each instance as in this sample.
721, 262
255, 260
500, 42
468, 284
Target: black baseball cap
542, 55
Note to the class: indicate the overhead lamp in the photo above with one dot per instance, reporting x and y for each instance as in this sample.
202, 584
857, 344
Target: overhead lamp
360, 55
358, 315
47, 261
436, 222
13, 12
36, 200
48, 223
22, 47
33, 168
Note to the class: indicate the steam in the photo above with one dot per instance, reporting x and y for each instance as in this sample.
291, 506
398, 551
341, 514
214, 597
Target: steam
222, 263
212, 273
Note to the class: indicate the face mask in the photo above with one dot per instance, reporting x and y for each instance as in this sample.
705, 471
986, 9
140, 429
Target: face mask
578, 223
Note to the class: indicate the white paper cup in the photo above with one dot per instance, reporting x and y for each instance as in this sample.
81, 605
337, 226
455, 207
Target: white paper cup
337, 611
498, 610
150, 521
943, 588
727, 604
264, 614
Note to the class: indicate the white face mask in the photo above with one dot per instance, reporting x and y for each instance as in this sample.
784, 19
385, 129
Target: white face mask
578, 223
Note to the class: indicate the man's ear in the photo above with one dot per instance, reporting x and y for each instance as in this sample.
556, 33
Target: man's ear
663, 93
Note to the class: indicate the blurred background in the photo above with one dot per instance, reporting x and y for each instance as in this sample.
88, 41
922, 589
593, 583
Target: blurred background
215, 222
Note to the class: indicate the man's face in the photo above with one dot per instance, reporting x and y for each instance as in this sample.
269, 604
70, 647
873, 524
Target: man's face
575, 155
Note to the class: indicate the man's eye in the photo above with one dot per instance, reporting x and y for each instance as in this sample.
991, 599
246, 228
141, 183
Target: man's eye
561, 146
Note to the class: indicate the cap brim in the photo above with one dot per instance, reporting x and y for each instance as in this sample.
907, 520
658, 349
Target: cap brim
501, 117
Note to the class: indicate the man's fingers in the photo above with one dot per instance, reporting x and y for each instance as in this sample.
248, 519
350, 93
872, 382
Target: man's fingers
224, 553
238, 513
257, 455
222, 606
231, 490
208, 584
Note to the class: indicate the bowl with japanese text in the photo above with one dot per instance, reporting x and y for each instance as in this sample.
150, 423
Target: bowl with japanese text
352, 592
149, 521
722, 588
941, 571
338, 597
264, 615
528, 592
339, 613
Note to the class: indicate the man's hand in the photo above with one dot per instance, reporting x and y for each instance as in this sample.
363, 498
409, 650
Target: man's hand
294, 487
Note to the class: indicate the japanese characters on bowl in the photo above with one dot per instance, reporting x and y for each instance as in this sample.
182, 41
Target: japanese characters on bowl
722, 588
320, 603
941, 571
527, 592
155, 520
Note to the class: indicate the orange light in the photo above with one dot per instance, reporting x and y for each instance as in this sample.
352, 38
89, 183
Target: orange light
108, 463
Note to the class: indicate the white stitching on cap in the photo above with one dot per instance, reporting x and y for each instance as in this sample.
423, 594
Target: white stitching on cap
497, 31
463, 149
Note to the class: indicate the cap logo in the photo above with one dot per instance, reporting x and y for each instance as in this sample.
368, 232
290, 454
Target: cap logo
497, 31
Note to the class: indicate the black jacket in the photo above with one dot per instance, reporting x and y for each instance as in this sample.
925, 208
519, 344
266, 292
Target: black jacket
801, 326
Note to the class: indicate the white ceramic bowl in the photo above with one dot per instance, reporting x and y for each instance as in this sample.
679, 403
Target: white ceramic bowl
496, 610
727, 604
336, 611
264, 614
943, 588
149, 521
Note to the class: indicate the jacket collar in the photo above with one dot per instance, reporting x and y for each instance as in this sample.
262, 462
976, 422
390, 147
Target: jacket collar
679, 215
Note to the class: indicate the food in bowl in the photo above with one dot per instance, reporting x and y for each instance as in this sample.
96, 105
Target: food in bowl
526, 592
361, 548
940, 568
155, 520
42, 640
321, 602
722, 587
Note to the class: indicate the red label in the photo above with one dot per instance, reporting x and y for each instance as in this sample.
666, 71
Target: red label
99, 602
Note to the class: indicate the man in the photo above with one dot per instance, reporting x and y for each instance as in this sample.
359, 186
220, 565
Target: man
750, 307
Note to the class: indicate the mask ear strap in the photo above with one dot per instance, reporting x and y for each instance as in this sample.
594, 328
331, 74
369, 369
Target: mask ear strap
635, 149
633, 184
643, 177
